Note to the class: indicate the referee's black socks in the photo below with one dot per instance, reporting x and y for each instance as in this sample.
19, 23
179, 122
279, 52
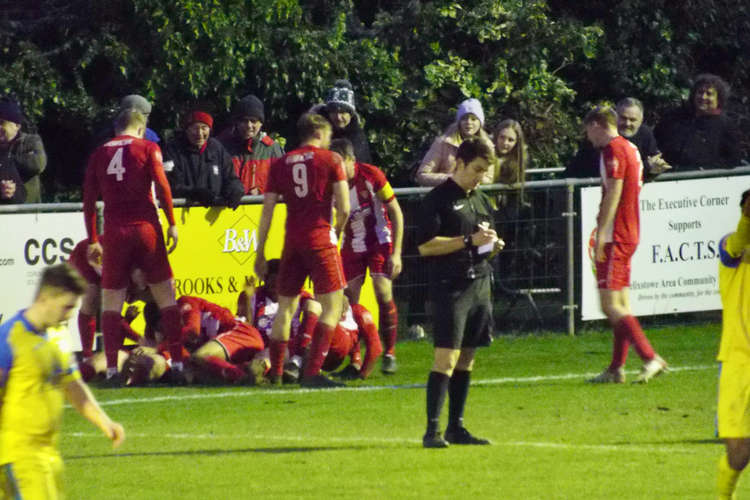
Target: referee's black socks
458, 389
437, 387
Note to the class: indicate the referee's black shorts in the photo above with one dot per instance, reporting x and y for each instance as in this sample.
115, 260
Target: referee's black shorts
462, 313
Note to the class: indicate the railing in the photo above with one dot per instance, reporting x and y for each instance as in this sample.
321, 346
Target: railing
538, 268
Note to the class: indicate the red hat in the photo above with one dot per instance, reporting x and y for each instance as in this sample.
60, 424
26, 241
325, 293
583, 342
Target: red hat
199, 116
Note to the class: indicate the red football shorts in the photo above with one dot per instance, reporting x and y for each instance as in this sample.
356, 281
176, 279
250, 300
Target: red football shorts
241, 343
614, 272
79, 260
356, 264
323, 265
134, 246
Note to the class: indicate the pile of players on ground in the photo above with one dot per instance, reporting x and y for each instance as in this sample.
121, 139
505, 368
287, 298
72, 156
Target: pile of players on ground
225, 348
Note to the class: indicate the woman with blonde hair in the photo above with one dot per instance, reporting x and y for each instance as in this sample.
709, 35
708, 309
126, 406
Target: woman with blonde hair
440, 161
510, 149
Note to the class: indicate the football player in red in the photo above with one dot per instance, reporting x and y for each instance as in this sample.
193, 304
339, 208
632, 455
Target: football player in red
372, 239
311, 181
617, 236
121, 172
355, 327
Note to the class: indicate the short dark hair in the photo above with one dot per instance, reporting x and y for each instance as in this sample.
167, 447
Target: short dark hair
604, 116
744, 197
272, 266
62, 278
711, 80
309, 123
343, 147
475, 147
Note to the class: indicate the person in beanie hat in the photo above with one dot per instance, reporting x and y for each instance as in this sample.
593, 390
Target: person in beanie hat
340, 109
22, 157
440, 161
198, 167
251, 149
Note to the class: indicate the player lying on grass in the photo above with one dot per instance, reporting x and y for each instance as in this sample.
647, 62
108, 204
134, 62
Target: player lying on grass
220, 343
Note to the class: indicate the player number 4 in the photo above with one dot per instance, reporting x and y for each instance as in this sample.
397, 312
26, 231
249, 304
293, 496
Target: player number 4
115, 165
299, 176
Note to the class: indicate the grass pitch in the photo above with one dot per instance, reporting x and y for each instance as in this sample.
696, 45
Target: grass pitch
554, 437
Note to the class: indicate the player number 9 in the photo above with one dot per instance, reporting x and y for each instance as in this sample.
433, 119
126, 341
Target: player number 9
299, 176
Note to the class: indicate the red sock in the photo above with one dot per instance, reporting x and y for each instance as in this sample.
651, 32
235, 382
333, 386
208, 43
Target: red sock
620, 346
223, 369
277, 353
171, 325
637, 337
388, 325
87, 330
306, 330
112, 336
319, 348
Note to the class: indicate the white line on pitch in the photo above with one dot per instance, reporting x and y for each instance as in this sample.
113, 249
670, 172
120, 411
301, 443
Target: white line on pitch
235, 438
275, 392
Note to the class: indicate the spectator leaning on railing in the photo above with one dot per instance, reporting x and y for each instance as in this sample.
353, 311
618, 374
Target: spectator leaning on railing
199, 168
699, 134
22, 157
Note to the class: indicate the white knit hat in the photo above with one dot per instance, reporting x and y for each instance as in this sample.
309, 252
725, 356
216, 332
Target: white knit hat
472, 106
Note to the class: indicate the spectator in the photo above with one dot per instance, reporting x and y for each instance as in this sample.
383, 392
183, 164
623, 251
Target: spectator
198, 166
22, 157
340, 111
131, 101
629, 125
251, 149
440, 161
511, 151
700, 135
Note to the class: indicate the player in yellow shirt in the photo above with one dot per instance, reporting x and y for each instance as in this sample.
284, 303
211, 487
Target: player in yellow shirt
37, 373
734, 352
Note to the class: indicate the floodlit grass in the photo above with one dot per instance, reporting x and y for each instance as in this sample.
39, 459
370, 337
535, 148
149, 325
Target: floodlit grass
554, 437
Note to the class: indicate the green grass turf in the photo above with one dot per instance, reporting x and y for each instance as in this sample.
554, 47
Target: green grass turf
554, 437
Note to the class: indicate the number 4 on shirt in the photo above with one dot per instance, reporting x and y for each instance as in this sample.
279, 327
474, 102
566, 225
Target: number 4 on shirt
115, 165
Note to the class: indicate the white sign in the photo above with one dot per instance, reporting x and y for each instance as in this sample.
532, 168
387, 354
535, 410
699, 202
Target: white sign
675, 268
31, 242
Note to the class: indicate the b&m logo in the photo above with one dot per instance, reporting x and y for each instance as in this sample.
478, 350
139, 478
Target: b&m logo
239, 241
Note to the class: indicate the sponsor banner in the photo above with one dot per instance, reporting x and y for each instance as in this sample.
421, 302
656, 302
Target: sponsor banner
675, 268
32, 242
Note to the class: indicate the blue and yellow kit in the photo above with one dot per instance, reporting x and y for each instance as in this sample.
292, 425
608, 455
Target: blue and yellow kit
734, 350
35, 367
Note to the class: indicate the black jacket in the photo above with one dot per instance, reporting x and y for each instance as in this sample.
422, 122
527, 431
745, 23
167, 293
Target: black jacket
353, 132
205, 176
690, 142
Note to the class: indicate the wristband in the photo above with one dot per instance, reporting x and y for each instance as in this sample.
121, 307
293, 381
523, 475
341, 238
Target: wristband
467, 241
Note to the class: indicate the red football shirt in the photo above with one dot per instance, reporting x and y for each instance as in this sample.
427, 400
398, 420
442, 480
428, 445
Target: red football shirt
305, 177
620, 160
369, 225
202, 319
121, 172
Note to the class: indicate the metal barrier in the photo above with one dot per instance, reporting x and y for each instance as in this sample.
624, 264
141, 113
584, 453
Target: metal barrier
535, 276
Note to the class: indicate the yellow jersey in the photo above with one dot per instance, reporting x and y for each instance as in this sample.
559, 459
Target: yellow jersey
34, 369
734, 286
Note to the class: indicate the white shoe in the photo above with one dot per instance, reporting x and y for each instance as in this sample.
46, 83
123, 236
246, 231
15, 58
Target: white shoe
651, 369
416, 332
616, 376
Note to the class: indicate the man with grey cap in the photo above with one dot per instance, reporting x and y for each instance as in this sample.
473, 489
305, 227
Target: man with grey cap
22, 157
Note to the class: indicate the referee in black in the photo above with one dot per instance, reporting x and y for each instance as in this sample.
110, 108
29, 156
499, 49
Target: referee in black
457, 237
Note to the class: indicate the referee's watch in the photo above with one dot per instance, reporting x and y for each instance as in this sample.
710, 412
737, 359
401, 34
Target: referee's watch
467, 241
